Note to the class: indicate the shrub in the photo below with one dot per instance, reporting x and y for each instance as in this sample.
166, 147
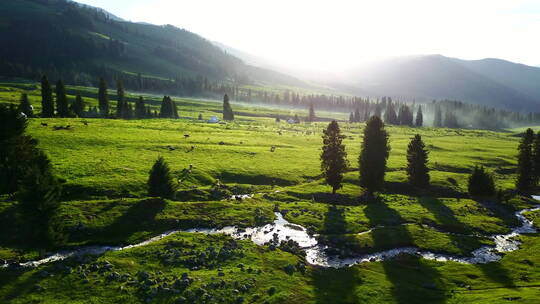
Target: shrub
160, 182
481, 183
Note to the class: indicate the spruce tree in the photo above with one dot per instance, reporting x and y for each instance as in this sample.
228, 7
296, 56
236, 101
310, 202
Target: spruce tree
333, 156
481, 184
357, 115
25, 106
160, 181
228, 113
525, 171
167, 108
174, 108
437, 118
351, 117
140, 108
26, 171
103, 98
120, 95
536, 157
311, 116
417, 159
373, 155
62, 108
78, 106
419, 117
47, 105
390, 116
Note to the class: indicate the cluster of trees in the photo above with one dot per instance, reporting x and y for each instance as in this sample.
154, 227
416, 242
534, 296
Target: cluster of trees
528, 170
373, 157
26, 173
168, 108
64, 108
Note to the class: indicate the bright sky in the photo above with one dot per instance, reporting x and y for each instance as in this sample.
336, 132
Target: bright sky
335, 34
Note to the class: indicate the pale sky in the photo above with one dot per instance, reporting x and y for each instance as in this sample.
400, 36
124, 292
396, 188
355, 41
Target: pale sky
336, 34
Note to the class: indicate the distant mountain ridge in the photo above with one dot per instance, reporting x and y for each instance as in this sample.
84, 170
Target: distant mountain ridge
490, 82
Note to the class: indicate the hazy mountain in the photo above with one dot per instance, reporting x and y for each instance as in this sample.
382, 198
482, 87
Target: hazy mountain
81, 41
489, 82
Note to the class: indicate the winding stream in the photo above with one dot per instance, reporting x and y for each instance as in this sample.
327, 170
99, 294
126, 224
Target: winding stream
282, 230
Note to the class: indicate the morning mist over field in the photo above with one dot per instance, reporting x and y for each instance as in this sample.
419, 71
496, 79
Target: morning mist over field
269, 152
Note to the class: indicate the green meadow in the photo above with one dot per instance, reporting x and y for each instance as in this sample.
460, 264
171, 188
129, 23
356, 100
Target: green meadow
105, 163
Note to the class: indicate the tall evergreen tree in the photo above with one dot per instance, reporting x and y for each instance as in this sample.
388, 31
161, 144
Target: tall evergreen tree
228, 113
311, 116
525, 171
351, 117
25, 106
480, 183
160, 181
437, 118
78, 106
103, 98
26, 170
47, 105
333, 156
140, 108
373, 156
419, 117
390, 116
357, 115
536, 157
62, 107
417, 158
121, 107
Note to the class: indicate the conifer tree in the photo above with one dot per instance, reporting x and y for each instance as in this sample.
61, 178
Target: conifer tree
481, 184
419, 117
373, 156
228, 113
333, 156
351, 117
25, 106
103, 98
417, 158
536, 157
311, 116
62, 108
174, 109
120, 95
47, 106
160, 181
357, 115
140, 108
437, 118
390, 116
78, 106
525, 171
378, 112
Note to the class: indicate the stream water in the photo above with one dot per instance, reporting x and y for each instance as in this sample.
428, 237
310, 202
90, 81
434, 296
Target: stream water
282, 230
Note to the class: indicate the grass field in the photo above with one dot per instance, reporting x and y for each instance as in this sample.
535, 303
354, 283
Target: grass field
105, 165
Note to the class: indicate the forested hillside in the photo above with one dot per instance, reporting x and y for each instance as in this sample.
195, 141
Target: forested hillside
77, 43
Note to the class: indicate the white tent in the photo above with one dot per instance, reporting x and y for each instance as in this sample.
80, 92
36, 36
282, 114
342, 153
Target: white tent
213, 119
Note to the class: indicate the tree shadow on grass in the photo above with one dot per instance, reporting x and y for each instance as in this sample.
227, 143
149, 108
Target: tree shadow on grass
336, 285
494, 271
433, 190
413, 279
334, 221
140, 216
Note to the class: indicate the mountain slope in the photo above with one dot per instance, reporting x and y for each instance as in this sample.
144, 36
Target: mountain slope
438, 77
523, 78
59, 35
